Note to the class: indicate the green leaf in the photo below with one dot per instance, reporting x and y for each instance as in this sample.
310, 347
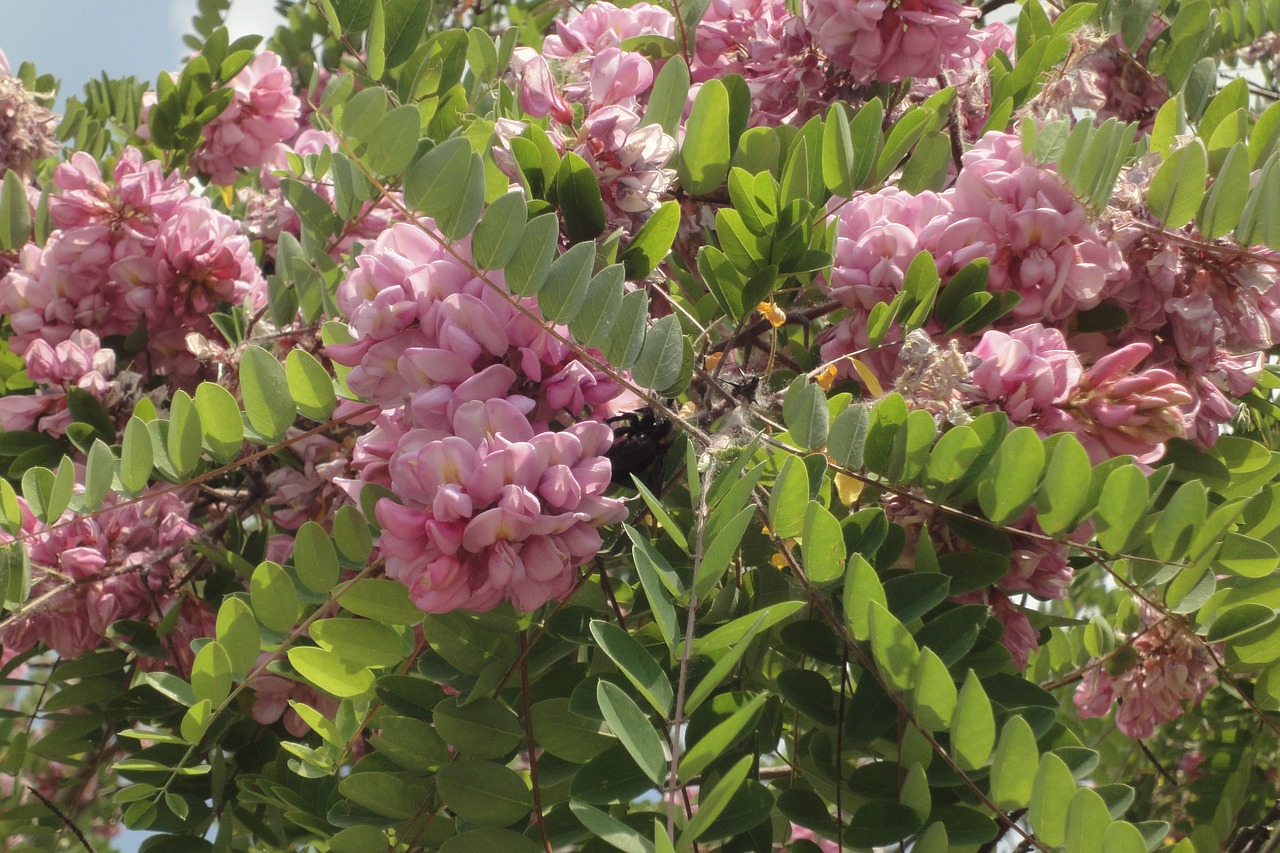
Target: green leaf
861, 586
1053, 786
1239, 555
387, 794
382, 599
636, 664
1178, 186
1239, 620
265, 388
376, 44
578, 195
704, 158
1121, 507
1177, 525
719, 554
1063, 498
274, 599
789, 500
1123, 837
394, 141
650, 245
612, 831
847, 437
895, 651
211, 673
498, 235
632, 728
567, 283
529, 265
100, 470
351, 533
823, 548
447, 184
1226, 199
221, 424
484, 728
668, 97
15, 212
837, 153
329, 672
1009, 484
310, 385
934, 695
184, 434
361, 641
713, 744
973, 727
712, 803
804, 409
195, 722
237, 632
599, 311
662, 356
315, 559
1087, 821
1013, 767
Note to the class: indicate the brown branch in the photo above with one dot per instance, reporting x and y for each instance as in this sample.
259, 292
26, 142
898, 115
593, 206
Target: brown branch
70, 824
532, 746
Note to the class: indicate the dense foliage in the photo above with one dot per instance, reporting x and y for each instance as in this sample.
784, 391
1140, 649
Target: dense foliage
738, 425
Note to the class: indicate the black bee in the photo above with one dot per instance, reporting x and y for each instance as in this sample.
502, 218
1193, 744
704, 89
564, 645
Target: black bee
640, 442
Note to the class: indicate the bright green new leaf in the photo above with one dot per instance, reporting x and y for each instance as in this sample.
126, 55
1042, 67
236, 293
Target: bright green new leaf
275, 601
973, 726
1009, 484
1087, 821
668, 97
15, 212
1013, 767
376, 43
703, 161
211, 673
861, 585
382, 599
361, 641
195, 722
1064, 494
789, 500
329, 672
822, 549
237, 633
1178, 186
934, 696
895, 650
1121, 507
632, 727
1053, 787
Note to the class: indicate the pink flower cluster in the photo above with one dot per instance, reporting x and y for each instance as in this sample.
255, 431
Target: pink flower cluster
612, 86
888, 42
496, 505
263, 112
141, 248
26, 127
1172, 669
115, 565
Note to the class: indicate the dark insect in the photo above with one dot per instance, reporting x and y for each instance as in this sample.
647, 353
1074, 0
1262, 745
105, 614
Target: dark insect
640, 442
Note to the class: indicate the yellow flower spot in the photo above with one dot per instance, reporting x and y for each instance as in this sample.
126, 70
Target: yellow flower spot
713, 361
826, 378
847, 488
771, 312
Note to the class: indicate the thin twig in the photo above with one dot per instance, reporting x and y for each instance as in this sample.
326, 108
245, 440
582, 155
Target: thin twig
51, 806
532, 746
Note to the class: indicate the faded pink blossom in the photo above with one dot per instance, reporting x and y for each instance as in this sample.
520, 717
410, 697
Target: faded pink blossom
878, 41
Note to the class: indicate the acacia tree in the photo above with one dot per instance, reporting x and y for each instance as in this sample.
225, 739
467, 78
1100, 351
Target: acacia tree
725, 425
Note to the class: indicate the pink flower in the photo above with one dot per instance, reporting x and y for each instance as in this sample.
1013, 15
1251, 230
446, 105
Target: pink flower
603, 25
1123, 412
887, 43
538, 90
1026, 372
263, 112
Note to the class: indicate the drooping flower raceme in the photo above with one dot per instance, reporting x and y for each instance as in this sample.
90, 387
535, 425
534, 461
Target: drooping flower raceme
263, 112
888, 42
